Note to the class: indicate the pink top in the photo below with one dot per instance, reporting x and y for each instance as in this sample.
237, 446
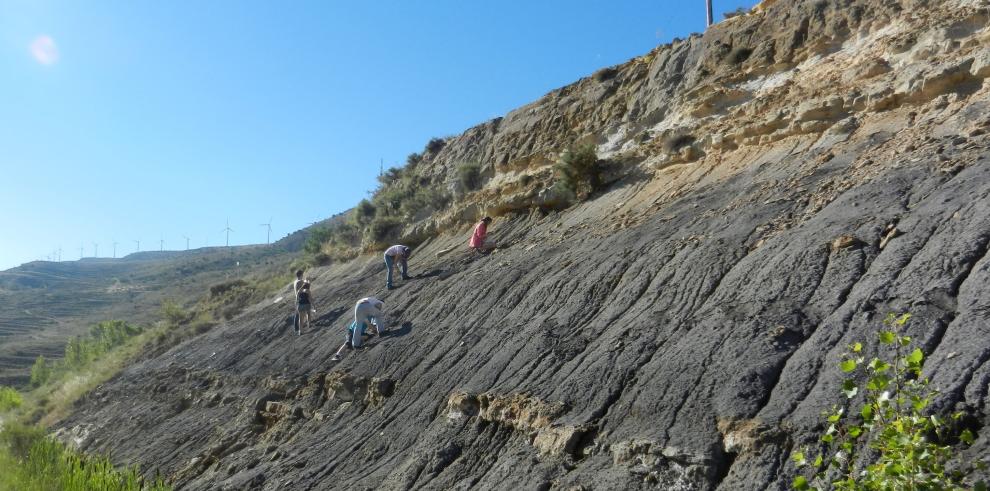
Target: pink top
479, 235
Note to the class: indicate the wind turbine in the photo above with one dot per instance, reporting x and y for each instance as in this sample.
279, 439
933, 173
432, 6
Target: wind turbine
708, 4
228, 230
115, 250
80, 251
268, 239
161, 244
138, 242
96, 249
187, 242
59, 253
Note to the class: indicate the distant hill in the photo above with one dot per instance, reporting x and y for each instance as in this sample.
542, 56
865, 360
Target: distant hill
43, 303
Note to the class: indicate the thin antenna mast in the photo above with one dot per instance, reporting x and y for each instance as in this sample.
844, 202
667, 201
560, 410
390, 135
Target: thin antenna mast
187, 242
708, 4
138, 242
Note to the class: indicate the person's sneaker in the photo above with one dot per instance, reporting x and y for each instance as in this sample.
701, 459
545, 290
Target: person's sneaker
335, 358
407, 277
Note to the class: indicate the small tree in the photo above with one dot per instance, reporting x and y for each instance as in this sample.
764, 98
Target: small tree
435, 145
9, 398
41, 371
364, 213
469, 174
891, 422
578, 172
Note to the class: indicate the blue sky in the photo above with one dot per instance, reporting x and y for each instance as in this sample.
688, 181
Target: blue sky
142, 120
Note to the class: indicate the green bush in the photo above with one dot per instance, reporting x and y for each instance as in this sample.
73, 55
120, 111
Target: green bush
173, 313
364, 213
383, 229
413, 160
435, 145
469, 175
578, 172
903, 443
102, 337
316, 238
735, 13
9, 398
29, 460
41, 372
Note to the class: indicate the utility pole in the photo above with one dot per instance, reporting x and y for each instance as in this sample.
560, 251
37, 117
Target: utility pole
708, 3
59, 253
138, 242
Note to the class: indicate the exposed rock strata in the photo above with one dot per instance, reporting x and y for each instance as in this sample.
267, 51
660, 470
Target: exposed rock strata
678, 331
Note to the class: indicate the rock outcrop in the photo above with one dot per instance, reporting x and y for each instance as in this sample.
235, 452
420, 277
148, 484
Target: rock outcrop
778, 185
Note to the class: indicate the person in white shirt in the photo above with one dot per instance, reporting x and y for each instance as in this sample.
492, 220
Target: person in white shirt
397, 254
369, 310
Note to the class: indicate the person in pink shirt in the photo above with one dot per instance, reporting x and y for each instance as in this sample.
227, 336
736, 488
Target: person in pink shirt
479, 239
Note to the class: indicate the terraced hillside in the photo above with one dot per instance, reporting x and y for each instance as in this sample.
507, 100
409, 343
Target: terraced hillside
775, 188
43, 303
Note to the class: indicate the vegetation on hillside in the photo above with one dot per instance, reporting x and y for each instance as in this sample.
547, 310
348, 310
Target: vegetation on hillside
82, 351
29, 459
578, 172
469, 176
402, 197
32, 461
884, 437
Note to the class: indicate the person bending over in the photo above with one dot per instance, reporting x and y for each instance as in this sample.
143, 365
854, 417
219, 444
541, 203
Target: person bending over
369, 310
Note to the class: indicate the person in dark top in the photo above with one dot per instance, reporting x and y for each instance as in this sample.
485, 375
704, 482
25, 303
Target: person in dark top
304, 306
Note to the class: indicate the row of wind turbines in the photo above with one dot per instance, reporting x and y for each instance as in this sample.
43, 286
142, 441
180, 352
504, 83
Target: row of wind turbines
56, 254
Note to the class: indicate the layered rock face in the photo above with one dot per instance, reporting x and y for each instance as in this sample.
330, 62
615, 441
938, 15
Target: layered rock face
778, 186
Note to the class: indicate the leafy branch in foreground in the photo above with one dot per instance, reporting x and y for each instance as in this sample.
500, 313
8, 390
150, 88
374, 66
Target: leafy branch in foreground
898, 453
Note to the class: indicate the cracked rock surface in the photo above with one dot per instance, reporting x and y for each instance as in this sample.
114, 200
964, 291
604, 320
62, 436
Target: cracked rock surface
679, 330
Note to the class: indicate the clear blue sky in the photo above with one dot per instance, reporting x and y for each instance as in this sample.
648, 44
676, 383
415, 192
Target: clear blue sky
136, 120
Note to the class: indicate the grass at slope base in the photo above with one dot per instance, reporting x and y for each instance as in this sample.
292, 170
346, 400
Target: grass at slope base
30, 460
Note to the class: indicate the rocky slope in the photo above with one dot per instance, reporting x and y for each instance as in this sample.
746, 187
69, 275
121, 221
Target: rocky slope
779, 184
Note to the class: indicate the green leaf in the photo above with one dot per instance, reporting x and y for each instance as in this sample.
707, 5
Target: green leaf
903, 319
849, 389
887, 337
916, 356
818, 461
980, 486
866, 412
800, 482
848, 365
855, 431
879, 382
966, 437
857, 347
798, 458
